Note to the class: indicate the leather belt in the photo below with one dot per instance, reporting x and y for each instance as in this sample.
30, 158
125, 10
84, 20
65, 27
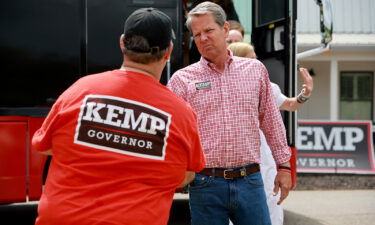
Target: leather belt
230, 173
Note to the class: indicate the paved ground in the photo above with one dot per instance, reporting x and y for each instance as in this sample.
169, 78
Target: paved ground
342, 207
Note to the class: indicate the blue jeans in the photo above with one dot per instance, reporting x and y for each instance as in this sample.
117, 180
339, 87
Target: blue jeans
215, 200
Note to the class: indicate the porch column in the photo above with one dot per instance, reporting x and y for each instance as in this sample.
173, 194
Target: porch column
334, 94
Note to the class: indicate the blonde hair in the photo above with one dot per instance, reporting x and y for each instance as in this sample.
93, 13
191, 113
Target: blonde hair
241, 49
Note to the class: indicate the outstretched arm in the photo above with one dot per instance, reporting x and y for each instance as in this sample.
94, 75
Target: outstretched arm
292, 104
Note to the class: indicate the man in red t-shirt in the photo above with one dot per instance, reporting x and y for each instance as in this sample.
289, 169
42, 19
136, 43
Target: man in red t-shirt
121, 142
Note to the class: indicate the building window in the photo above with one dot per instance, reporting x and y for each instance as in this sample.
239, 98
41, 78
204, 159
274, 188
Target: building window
356, 96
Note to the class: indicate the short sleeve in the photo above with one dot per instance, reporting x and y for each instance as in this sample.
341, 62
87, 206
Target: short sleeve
42, 137
279, 97
196, 161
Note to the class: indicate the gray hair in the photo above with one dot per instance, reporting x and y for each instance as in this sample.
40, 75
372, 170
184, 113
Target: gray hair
207, 8
135, 47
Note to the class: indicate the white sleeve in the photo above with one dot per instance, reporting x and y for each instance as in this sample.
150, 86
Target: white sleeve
279, 97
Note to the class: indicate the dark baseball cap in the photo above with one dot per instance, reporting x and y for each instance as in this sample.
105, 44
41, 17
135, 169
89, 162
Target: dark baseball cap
152, 24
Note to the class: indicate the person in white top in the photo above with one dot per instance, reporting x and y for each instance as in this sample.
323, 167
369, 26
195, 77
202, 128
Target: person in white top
268, 165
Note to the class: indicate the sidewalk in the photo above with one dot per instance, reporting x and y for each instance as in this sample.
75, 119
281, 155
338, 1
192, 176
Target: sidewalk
341, 207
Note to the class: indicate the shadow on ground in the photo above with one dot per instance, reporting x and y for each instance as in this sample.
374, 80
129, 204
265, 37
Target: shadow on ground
11, 214
291, 218
180, 213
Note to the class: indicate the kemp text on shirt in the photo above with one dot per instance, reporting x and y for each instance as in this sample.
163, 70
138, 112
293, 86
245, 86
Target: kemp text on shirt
123, 126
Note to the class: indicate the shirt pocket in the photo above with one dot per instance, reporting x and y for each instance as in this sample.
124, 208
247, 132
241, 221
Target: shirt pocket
201, 98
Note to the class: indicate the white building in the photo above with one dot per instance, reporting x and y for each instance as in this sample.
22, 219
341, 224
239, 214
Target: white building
343, 77
343, 83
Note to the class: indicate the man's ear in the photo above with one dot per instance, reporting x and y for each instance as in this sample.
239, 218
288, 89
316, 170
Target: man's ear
226, 29
122, 45
168, 52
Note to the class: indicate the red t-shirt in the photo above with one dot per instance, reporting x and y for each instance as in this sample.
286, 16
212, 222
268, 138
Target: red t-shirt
121, 144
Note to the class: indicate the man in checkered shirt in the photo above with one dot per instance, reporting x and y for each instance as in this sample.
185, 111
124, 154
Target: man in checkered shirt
232, 97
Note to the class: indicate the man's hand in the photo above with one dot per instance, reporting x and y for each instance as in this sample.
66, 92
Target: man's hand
47, 152
308, 84
189, 177
283, 181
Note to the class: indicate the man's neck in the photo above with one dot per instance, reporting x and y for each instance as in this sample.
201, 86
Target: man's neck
128, 68
148, 69
220, 62
220, 66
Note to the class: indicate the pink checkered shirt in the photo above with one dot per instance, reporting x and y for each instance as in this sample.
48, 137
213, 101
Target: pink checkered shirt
231, 107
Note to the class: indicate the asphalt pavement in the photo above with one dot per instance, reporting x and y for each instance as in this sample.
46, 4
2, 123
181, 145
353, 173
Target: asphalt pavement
332, 207
328, 207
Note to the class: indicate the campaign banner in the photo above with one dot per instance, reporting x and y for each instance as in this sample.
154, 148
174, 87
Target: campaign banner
335, 147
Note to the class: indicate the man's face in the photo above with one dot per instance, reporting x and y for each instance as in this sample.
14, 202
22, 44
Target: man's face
234, 36
209, 37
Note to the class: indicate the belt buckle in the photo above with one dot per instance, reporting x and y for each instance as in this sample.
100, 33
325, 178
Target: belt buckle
225, 174
243, 172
